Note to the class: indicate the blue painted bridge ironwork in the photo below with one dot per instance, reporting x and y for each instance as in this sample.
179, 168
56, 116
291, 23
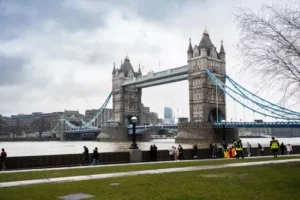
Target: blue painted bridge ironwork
295, 124
142, 129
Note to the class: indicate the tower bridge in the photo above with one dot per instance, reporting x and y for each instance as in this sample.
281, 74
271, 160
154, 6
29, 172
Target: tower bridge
206, 104
127, 84
206, 75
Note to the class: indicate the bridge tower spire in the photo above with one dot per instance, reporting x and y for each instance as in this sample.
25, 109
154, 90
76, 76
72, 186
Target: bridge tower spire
190, 50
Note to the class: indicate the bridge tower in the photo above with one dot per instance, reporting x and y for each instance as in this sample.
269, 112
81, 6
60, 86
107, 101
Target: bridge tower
126, 100
206, 103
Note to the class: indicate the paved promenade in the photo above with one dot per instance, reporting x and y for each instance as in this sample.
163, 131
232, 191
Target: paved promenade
134, 173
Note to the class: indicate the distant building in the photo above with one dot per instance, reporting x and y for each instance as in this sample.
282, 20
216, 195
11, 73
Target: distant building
106, 115
168, 115
148, 117
72, 115
160, 121
26, 122
183, 120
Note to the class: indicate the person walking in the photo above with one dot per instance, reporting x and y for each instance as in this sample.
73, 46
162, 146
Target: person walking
289, 149
195, 148
176, 153
239, 150
3, 159
248, 149
151, 153
85, 155
180, 150
211, 149
260, 150
225, 145
282, 148
274, 145
215, 150
95, 157
171, 153
154, 152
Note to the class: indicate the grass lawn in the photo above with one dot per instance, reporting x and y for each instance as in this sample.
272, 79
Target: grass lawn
274, 182
18, 176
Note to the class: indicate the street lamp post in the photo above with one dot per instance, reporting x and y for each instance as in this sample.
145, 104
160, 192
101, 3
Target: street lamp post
133, 145
224, 130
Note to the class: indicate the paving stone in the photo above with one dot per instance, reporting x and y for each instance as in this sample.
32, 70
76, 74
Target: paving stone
78, 196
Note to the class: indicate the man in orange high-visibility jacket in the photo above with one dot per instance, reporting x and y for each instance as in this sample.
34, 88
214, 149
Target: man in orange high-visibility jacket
232, 152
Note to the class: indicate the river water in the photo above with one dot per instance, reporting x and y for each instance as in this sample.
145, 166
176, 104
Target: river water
73, 147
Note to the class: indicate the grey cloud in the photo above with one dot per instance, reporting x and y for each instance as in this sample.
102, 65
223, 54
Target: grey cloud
17, 16
11, 70
85, 39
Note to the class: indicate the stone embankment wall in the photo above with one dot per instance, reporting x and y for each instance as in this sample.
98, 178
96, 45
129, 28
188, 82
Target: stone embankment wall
120, 133
110, 158
203, 132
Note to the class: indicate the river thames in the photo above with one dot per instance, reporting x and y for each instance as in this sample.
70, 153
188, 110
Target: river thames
14, 149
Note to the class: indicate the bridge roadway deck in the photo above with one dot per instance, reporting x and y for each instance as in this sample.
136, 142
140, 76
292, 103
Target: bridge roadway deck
158, 78
134, 173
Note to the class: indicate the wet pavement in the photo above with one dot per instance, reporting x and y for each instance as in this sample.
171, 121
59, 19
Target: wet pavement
143, 172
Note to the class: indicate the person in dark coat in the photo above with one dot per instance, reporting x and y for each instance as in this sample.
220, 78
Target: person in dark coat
180, 150
214, 150
85, 155
154, 152
260, 150
225, 145
195, 148
211, 149
282, 148
95, 157
151, 153
3, 157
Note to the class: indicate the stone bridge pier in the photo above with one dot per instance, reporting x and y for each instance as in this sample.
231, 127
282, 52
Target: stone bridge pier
204, 133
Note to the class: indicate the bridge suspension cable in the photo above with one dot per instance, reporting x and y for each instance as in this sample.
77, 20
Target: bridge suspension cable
242, 90
271, 112
88, 124
267, 105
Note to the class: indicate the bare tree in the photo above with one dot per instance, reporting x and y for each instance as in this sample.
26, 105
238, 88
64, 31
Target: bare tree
40, 125
270, 45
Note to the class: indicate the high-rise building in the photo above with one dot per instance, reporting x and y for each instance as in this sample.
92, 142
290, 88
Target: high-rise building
168, 115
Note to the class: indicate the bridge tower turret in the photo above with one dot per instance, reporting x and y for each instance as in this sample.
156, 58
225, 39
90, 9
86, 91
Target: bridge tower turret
126, 100
190, 51
223, 59
206, 103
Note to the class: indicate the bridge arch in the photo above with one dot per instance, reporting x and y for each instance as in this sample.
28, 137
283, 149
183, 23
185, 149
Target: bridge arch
213, 115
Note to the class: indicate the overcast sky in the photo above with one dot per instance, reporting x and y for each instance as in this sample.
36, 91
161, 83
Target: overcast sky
59, 54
